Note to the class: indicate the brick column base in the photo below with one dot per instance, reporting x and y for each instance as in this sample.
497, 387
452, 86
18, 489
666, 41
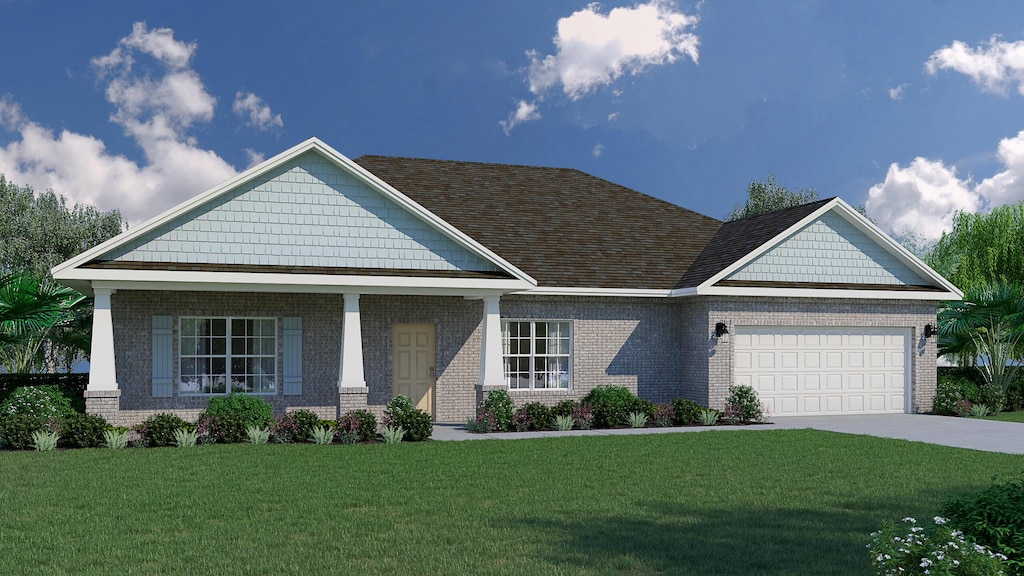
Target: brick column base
351, 398
105, 403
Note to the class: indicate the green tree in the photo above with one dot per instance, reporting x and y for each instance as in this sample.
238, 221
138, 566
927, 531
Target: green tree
40, 231
768, 196
982, 250
987, 325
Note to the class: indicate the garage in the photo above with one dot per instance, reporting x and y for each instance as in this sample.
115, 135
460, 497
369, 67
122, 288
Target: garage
806, 370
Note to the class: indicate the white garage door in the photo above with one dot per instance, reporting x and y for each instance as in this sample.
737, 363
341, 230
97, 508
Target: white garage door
807, 370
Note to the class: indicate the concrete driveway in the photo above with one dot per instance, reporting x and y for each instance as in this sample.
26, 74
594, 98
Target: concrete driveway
987, 435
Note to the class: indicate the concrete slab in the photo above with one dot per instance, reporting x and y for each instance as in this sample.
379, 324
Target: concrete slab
986, 435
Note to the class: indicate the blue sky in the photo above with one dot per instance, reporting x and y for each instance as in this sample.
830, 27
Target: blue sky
912, 107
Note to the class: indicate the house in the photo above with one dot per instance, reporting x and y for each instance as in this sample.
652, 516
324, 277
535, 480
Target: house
324, 283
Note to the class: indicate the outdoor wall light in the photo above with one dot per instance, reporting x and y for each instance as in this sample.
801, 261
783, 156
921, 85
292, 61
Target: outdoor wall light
930, 330
721, 330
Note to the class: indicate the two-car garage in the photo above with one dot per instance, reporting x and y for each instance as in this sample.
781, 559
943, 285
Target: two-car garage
801, 370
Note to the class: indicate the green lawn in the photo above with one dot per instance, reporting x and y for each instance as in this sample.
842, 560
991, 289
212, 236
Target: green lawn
1017, 416
719, 502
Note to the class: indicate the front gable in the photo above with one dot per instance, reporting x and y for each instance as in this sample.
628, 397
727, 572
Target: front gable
309, 213
829, 250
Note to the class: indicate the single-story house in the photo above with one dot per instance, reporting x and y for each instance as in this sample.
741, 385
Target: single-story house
324, 283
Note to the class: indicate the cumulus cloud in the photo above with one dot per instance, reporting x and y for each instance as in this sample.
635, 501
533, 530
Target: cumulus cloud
897, 92
924, 196
594, 49
994, 66
155, 108
256, 112
524, 112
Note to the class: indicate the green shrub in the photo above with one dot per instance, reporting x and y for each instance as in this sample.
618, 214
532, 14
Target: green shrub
949, 391
563, 423
743, 406
993, 397
295, 426
639, 405
994, 518
564, 408
44, 440
230, 415
357, 426
185, 437
83, 431
610, 405
687, 412
158, 429
936, 548
637, 419
417, 424
40, 401
1015, 395
115, 439
323, 435
392, 434
257, 435
16, 430
708, 416
533, 416
500, 404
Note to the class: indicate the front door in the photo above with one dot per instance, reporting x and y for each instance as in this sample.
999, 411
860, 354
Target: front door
412, 369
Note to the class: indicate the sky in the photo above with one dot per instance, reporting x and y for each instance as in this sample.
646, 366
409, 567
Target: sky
913, 108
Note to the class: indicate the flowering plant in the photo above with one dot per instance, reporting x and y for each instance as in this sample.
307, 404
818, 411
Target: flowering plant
664, 415
936, 548
484, 422
583, 415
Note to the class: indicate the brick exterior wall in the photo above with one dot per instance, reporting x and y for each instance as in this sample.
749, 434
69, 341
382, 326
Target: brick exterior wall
810, 311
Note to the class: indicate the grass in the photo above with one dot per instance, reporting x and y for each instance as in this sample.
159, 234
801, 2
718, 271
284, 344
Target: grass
1017, 416
735, 502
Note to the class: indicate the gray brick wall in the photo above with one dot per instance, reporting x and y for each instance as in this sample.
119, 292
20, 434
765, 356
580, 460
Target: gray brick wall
818, 312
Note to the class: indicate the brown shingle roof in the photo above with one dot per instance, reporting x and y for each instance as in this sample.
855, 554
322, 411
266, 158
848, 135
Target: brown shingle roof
561, 226
738, 238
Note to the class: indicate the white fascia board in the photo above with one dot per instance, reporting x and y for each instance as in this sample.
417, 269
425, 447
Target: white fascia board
614, 292
742, 291
342, 162
296, 283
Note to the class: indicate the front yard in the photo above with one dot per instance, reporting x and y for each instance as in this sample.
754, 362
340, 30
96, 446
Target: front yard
742, 502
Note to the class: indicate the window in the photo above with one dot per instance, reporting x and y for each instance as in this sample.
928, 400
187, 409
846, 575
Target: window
537, 354
222, 355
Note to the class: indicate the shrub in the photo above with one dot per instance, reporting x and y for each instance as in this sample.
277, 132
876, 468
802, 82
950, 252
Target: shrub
708, 416
83, 431
993, 397
637, 419
610, 405
483, 423
645, 407
743, 406
536, 415
994, 518
664, 415
257, 435
185, 437
687, 411
978, 411
44, 440
417, 424
963, 408
1015, 395
583, 416
158, 429
40, 401
295, 426
500, 404
323, 435
230, 415
357, 426
16, 430
933, 549
392, 434
563, 423
563, 408
949, 391
115, 439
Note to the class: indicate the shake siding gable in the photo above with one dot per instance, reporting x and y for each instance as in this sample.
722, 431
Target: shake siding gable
307, 212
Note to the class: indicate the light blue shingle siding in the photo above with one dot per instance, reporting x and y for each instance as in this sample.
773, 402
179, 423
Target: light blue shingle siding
830, 249
306, 213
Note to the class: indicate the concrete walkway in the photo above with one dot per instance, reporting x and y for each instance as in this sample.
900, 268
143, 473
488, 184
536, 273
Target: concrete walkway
987, 435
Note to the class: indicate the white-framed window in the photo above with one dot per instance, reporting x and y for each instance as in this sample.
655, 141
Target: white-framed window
538, 354
223, 355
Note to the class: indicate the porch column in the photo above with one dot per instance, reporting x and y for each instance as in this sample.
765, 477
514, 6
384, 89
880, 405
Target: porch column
351, 346
492, 371
102, 397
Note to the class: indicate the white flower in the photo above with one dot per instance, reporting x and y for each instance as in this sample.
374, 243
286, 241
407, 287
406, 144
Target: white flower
925, 562
939, 520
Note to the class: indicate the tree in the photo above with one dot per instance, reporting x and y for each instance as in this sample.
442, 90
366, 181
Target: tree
987, 325
982, 250
40, 231
768, 196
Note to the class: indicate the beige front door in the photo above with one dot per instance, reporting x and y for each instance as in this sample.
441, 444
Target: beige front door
412, 370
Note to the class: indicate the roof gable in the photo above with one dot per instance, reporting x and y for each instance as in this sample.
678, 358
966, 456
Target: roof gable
306, 212
829, 249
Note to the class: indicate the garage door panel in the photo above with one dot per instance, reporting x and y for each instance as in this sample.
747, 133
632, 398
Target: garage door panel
836, 370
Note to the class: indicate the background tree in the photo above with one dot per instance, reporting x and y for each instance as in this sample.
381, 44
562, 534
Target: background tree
44, 326
982, 250
768, 196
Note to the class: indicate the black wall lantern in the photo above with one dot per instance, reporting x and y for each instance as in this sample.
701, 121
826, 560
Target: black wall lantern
721, 330
930, 330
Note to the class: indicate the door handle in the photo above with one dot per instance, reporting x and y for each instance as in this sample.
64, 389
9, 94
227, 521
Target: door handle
431, 372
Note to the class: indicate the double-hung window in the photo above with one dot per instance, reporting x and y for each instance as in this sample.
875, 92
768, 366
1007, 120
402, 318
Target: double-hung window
538, 354
223, 355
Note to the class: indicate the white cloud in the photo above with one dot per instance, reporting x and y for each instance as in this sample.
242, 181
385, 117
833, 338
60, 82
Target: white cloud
597, 151
613, 116
254, 157
155, 109
258, 112
897, 92
524, 112
1006, 187
596, 49
994, 66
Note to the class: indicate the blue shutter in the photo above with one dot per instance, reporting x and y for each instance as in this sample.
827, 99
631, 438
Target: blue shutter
163, 356
292, 352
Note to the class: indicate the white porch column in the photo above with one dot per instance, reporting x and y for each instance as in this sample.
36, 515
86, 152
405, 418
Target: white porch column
492, 371
351, 346
102, 375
